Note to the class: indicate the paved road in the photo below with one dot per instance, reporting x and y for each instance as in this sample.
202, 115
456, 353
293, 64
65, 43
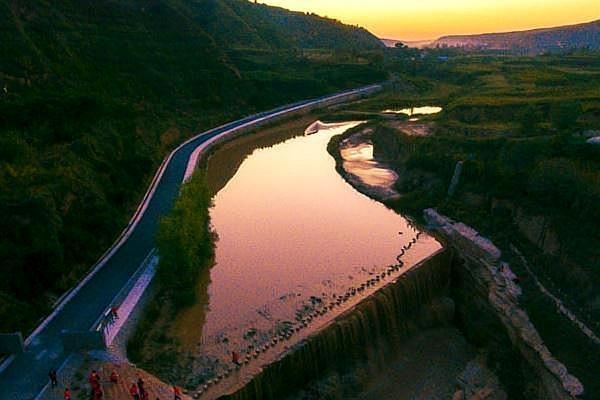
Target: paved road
26, 375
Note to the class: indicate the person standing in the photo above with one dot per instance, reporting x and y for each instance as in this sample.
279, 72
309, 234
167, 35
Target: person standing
134, 392
97, 390
67, 394
94, 377
142, 389
114, 313
176, 393
235, 358
94, 381
53, 379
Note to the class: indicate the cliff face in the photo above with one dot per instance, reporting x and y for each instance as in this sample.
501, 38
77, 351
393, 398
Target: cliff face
487, 296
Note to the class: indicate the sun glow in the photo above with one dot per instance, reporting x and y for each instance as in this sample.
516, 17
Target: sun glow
418, 20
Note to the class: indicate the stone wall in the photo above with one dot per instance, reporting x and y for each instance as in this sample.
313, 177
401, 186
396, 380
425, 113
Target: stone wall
487, 295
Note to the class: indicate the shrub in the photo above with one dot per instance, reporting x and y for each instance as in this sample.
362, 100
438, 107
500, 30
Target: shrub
184, 242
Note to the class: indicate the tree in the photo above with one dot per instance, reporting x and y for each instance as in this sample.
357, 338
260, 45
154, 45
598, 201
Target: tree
184, 242
564, 115
529, 119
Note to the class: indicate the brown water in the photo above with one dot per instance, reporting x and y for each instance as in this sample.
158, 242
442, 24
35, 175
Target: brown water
293, 235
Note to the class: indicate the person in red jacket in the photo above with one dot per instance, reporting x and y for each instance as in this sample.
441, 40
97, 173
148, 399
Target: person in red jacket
235, 358
94, 377
97, 390
176, 393
114, 377
67, 394
133, 391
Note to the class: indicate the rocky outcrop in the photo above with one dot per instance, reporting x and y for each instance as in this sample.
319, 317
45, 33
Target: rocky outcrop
594, 140
455, 178
477, 382
488, 308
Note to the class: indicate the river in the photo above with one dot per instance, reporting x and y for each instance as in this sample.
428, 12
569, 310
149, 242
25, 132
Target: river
292, 237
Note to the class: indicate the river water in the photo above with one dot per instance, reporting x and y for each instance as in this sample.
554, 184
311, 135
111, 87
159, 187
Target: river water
358, 160
292, 235
424, 110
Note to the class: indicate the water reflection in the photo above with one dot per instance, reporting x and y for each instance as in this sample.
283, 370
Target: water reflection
286, 219
358, 160
291, 233
425, 110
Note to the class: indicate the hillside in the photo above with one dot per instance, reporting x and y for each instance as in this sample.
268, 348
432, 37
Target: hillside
535, 41
239, 23
94, 93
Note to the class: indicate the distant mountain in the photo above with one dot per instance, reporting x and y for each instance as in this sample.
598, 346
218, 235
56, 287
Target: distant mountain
534, 41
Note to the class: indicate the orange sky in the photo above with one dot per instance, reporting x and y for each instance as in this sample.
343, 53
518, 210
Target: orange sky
429, 19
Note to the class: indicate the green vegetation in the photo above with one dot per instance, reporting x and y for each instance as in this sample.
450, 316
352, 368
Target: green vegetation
185, 246
185, 242
529, 177
94, 94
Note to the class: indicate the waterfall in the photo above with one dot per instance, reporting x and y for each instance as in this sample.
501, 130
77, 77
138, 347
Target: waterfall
365, 332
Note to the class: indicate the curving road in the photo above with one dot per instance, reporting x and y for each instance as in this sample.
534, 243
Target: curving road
26, 374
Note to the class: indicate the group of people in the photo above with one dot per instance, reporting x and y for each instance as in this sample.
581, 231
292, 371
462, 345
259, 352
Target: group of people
96, 392
137, 390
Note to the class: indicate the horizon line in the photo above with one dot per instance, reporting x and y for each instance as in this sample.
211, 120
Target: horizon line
488, 33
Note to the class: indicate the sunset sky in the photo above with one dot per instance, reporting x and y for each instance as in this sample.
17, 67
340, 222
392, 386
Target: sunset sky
429, 19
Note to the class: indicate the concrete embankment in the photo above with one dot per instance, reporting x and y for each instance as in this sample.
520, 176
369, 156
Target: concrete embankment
377, 323
487, 293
